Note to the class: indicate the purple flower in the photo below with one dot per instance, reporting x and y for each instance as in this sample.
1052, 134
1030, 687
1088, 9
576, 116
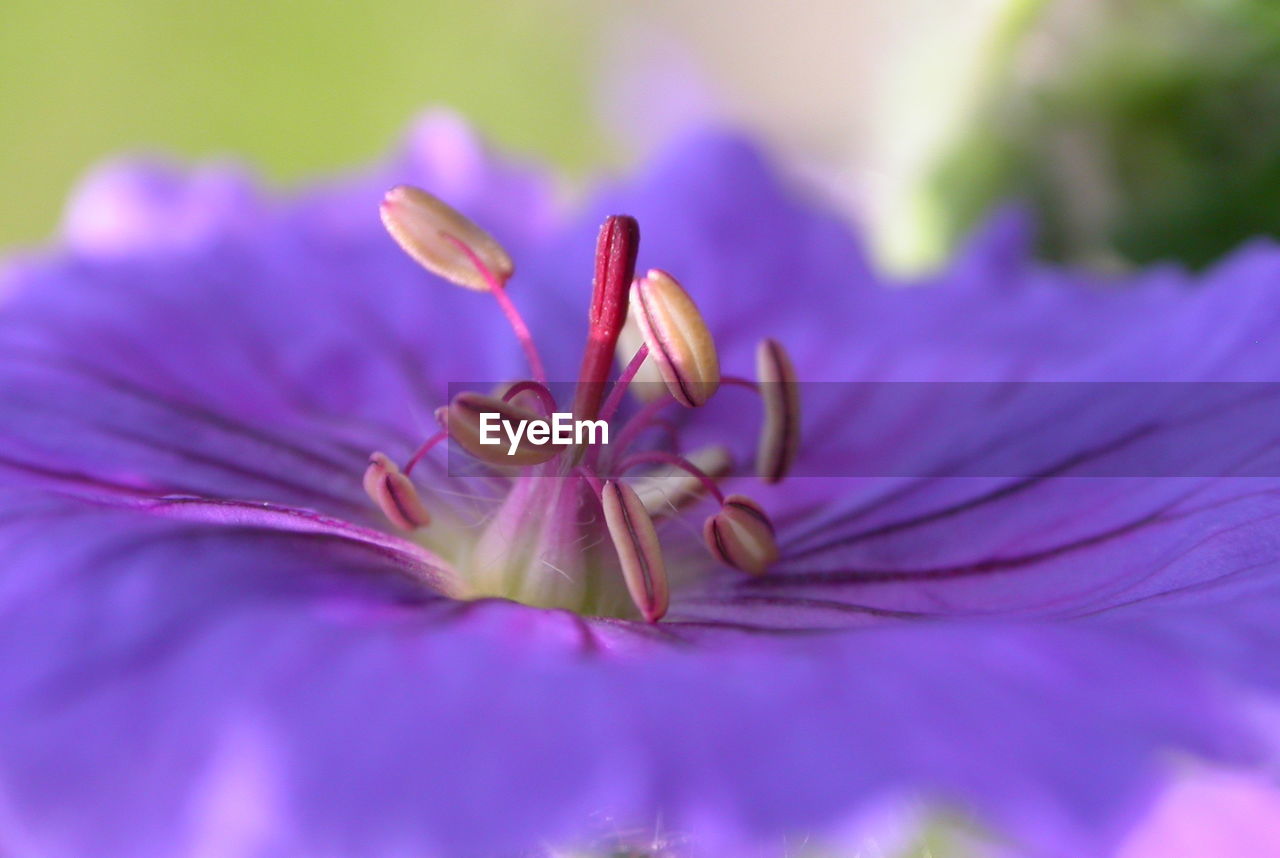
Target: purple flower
216, 643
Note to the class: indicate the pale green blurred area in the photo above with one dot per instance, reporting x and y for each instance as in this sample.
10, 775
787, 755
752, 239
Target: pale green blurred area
296, 87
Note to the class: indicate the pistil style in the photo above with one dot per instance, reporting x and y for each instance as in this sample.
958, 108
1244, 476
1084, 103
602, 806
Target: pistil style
616, 251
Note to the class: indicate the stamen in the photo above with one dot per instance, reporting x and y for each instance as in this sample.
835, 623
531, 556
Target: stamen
739, 381
394, 494
671, 488
639, 553
657, 457
516, 394
538, 525
521, 331
616, 250
624, 381
422, 451
380, 465
444, 241
423, 224
498, 289
630, 340
468, 416
780, 434
740, 535
678, 338
642, 420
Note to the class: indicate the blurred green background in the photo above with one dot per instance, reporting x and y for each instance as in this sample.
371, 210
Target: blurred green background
295, 86
1138, 130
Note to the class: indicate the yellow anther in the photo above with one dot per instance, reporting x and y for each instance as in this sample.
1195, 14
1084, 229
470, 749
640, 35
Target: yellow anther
780, 434
740, 535
394, 494
639, 554
438, 237
498, 432
679, 341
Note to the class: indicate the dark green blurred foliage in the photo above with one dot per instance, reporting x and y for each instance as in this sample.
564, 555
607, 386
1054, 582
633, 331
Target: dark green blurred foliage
1139, 130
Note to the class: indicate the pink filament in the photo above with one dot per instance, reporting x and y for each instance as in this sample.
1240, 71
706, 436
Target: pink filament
638, 423
423, 450
499, 290
620, 386
540, 390
740, 382
659, 458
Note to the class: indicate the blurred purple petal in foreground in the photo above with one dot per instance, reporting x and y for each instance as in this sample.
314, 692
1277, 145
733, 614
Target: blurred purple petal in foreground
214, 644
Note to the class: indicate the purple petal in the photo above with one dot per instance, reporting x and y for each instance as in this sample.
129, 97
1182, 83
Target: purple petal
250, 668
355, 705
262, 362
130, 208
1210, 813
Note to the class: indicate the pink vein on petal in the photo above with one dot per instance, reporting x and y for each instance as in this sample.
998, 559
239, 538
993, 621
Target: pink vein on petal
413, 558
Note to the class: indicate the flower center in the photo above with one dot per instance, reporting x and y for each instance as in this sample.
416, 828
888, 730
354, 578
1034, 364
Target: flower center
583, 508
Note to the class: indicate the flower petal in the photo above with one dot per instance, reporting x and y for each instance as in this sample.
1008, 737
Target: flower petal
354, 708
128, 208
245, 648
200, 343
